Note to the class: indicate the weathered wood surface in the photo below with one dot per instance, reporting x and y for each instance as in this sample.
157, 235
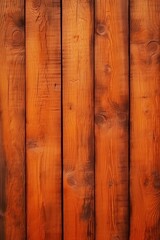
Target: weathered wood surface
111, 119
78, 126
12, 120
43, 115
72, 73
145, 120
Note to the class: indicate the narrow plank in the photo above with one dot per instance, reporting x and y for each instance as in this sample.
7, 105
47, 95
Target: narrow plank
78, 132
145, 120
12, 120
111, 119
43, 130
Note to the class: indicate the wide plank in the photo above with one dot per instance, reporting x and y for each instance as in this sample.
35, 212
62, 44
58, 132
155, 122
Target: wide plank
145, 120
111, 119
12, 120
43, 115
78, 126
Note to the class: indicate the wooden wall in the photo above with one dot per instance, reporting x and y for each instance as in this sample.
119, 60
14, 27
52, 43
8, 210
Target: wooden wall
80, 120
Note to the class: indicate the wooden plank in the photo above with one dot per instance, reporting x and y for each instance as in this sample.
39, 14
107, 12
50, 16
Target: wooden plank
145, 120
12, 120
43, 70
78, 132
111, 119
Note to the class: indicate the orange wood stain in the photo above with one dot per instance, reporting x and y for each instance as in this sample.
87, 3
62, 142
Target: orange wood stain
12, 120
145, 120
43, 116
78, 116
79, 120
111, 119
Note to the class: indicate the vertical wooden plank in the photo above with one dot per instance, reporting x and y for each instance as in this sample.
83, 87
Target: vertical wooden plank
111, 119
145, 120
12, 120
78, 134
43, 91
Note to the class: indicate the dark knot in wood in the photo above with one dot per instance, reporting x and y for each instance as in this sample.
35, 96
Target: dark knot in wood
101, 29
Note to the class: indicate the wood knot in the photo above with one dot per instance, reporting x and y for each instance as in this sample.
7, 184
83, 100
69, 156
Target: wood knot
17, 37
57, 86
110, 183
71, 180
76, 37
101, 29
70, 106
107, 68
100, 118
32, 144
152, 46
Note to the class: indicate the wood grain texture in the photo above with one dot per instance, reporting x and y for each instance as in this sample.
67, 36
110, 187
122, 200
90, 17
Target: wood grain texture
12, 120
43, 92
145, 120
111, 119
78, 137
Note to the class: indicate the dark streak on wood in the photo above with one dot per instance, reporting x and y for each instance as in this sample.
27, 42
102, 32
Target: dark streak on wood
86, 209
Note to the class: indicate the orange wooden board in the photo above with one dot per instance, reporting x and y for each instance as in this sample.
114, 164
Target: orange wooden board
12, 120
145, 120
43, 116
111, 119
78, 128
79, 120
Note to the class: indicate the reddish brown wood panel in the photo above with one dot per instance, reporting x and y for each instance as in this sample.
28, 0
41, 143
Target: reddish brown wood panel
78, 127
111, 119
43, 114
145, 120
12, 120
72, 73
